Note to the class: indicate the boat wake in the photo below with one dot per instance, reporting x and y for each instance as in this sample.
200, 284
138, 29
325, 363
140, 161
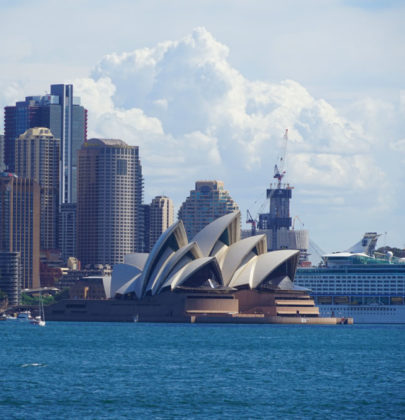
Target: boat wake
33, 365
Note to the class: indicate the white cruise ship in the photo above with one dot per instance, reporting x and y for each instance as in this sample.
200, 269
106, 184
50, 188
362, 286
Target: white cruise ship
357, 283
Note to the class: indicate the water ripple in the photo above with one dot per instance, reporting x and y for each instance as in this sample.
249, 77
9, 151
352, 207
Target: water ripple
100, 371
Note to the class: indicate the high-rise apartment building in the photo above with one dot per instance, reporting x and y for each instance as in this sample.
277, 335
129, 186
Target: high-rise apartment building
37, 157
206, 203
10, 276
20, 224
161, 216
109, 205
59, 111
158, 216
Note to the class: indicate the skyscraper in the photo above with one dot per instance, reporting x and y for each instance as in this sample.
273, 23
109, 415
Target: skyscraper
161, 216
37, 157
59, 111
73, 133
109, 205
206, 203
20, 224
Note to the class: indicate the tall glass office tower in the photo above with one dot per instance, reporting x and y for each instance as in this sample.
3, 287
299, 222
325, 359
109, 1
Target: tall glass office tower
72, 126
62, 113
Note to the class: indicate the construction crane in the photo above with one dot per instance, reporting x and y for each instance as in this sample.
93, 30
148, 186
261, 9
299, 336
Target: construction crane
279, 168
252, 222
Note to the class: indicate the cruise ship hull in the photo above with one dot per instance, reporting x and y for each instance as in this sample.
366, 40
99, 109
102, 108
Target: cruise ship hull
366, 314
367, 289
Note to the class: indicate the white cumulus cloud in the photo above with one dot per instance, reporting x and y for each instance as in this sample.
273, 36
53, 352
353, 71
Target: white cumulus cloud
194, 117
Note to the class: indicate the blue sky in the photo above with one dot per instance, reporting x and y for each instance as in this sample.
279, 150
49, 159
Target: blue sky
206, 89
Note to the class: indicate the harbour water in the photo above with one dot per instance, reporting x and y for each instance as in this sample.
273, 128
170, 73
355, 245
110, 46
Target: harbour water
165, 371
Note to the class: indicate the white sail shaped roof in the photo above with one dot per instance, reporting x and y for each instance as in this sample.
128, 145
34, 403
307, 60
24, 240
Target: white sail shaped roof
225, 230
241, 252
132, 286
137, 259
216, 257
261, 267
179, 259
107, 286
122, 274
190, 271
169, 242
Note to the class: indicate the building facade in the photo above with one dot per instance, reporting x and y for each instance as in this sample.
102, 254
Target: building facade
161, 216
146, 228
10, 275
207, 202
37, 157
17, 119
59, 111
67, 230
20, 224
2, 165
71, 128
278, 219
109, 207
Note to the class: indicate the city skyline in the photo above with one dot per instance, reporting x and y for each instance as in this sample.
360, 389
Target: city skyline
224, 89
62, 113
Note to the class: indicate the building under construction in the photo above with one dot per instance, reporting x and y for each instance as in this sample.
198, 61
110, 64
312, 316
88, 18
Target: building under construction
278, 224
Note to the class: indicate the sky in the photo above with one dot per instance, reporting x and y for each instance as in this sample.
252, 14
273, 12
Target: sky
207, 88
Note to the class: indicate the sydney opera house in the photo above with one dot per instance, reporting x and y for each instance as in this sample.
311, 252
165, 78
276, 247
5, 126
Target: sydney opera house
217, 277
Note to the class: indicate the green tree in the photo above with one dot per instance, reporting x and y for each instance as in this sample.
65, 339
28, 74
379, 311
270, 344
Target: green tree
34, 300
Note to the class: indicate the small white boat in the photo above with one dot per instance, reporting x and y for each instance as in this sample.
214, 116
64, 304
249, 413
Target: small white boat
40, 319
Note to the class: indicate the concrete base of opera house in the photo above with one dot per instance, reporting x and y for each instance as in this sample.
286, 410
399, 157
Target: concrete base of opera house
202, 306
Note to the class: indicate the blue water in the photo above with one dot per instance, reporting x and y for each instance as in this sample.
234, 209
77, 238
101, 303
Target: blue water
164, 371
